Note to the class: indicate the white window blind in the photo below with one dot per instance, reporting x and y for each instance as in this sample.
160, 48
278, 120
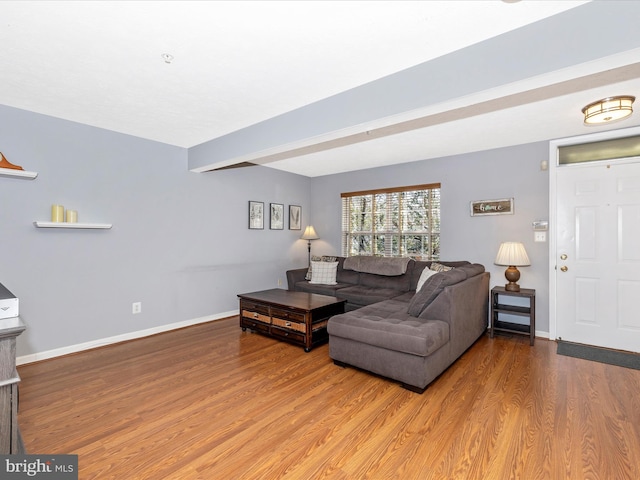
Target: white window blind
394, 222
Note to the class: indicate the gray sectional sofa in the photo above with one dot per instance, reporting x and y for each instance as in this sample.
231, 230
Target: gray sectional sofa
390, 329
365, 280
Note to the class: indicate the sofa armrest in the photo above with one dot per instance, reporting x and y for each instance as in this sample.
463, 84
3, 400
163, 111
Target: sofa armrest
295, 276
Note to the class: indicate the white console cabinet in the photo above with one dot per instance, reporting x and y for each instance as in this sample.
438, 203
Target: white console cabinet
10, 440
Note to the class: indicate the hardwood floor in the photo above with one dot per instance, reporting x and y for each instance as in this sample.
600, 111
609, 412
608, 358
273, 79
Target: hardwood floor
211, 402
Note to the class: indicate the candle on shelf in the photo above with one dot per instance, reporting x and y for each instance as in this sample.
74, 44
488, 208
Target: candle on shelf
57, 213
72, 216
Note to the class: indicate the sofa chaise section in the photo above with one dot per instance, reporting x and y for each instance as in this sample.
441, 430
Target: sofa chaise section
414, 337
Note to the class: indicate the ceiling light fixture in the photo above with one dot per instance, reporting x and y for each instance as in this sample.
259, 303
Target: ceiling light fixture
168, 58
608, 110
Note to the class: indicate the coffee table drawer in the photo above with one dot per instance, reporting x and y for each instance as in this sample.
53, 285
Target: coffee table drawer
257, 316
288, 334
288, 315
254, 325
300, 327
254, 306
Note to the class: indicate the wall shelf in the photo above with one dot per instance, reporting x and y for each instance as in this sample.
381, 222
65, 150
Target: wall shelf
10, 172
72, 225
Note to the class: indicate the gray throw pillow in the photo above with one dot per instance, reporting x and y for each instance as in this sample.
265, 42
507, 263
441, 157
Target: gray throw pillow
432, 288
472, 269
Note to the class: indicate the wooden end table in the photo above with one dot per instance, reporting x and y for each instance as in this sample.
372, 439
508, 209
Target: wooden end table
497, 308
297, 317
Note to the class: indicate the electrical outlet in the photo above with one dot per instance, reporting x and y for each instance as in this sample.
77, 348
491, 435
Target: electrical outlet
136, 307
279, 282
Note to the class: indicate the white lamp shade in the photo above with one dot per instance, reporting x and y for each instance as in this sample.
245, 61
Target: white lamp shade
512, 254
309, 233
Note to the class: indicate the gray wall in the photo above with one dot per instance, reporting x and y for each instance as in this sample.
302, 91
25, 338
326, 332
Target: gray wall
501, 173
179, 242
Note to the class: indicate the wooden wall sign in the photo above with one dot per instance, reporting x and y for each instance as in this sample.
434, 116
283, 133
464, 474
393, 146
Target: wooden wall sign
503, 206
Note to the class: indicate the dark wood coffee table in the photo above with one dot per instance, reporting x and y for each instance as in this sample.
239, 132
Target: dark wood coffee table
296, 317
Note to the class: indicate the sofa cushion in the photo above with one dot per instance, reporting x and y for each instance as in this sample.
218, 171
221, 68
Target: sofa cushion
387, 325
324, 273
400, 282
432, 288
331, 290
472, 269
347, 276
364, 295
419, 266
388, 266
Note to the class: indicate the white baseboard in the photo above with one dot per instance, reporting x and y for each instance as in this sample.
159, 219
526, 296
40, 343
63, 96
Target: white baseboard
58, 352
539, 333
542, 334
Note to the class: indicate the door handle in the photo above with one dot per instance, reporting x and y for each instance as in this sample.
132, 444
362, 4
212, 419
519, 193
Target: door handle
564, 268
563, 256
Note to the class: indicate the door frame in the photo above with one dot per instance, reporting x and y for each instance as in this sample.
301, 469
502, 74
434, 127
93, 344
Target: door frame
553, 204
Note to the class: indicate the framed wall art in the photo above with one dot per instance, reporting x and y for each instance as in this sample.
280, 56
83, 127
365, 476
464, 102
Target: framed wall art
277, 216
295, 217
503, 206
256, 215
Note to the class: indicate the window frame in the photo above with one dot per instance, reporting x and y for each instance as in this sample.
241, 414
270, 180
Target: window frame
391, 239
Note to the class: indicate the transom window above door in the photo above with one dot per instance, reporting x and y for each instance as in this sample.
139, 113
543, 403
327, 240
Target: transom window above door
392, 222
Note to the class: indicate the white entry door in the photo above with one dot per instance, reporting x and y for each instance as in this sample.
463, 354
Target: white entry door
598, 254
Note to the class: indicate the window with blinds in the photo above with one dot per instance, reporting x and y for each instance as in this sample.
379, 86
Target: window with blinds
396, 222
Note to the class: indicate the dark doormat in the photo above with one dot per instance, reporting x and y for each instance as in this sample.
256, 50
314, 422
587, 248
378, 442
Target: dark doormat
597, 354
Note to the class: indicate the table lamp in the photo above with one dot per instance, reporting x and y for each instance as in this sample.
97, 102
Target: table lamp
512, 255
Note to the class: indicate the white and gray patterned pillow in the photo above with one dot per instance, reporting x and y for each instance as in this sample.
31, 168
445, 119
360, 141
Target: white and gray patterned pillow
315, 258
438, 267
324, 273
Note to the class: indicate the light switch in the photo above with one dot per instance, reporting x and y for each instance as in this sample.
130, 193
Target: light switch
539, 236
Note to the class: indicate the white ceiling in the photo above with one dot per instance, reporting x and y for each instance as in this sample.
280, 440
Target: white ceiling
241, 62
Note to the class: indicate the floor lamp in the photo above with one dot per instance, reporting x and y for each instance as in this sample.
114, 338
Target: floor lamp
308, 235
